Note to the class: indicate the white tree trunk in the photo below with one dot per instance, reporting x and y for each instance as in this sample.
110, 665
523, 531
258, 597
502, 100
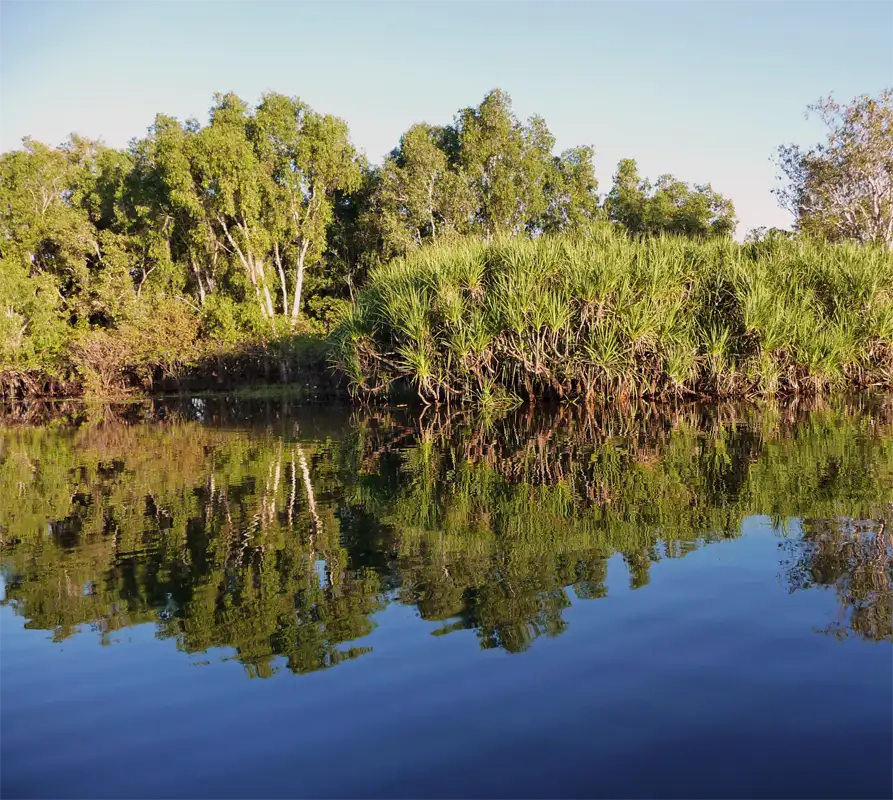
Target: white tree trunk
261, 273
281, 279
299, 284
201, 285
248, 263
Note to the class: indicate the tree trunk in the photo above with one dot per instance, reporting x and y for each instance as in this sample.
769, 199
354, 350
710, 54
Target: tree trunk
261, 272
201, 286
431, 207
248, 263
299, 283
269, 301
263, 297
281, 279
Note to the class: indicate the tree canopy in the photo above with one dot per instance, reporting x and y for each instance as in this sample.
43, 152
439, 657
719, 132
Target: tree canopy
486, 174
667, 206
842, 188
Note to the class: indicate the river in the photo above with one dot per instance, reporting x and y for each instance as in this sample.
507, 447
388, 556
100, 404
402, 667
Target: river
208, 597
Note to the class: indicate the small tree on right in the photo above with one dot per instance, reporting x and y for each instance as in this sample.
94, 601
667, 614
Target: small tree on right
842, 189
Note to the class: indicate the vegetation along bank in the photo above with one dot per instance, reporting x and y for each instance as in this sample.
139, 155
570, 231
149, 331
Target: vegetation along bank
475, 263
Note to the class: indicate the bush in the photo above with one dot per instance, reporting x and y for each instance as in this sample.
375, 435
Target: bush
582, 316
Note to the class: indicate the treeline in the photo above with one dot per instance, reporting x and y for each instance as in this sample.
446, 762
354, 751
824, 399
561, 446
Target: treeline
652, 300
284, 547
207, 248
224, 251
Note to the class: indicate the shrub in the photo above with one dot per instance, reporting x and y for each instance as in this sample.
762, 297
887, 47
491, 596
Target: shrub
582, 316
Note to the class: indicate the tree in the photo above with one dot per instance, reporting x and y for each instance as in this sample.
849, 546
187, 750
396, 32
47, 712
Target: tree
39, 221
307, 158
508, 164
63, 267
165, 212
232, 191
842, 189
627, 199
353, 241
572, 191
669, 206
420, 195
33, 324
485, 174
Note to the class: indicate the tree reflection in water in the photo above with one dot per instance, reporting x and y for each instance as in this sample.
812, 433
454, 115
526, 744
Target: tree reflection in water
855, 559
280, 536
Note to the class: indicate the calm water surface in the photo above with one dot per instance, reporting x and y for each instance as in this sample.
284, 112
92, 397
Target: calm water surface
221, 599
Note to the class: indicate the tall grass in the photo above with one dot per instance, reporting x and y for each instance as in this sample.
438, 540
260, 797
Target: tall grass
589, 316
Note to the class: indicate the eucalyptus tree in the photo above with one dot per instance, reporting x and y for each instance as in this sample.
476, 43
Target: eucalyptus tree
690, 211
306, 159
40, 223
420, 195
72, 258
50, 255
232, 189
572, 191
842, 189
353, 241
486, 174
667, 206
508, 164
626, 202
245, 202
163, 202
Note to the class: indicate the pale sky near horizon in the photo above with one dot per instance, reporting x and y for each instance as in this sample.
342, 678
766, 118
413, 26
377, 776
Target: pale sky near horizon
703, 90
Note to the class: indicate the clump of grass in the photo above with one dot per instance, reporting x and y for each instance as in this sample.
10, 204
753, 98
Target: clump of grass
603, 315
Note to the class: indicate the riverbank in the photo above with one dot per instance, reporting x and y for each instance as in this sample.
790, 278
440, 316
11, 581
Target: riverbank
593, 317
298, 361
606, 315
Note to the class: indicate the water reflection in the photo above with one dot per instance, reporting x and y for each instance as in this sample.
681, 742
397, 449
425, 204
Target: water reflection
854, 558
281, 532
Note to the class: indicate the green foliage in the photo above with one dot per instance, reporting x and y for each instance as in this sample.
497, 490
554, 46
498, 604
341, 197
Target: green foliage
283, 547
33, 328
204, 245
670, 206
842, 189
487, 174
419, 195
124, 268
604, 314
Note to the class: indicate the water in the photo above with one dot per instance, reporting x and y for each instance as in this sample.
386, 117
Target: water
221, 599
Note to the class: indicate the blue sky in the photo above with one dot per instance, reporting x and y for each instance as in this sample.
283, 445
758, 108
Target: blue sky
703, 90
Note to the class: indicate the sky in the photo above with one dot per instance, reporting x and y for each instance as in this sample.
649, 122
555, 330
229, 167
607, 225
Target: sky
706, 91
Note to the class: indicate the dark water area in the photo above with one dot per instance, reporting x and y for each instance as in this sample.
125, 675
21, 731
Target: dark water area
206, 597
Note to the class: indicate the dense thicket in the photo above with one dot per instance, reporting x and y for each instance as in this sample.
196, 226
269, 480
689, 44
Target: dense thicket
215, 249
283, 547
604, 313
224, 251
120, 266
